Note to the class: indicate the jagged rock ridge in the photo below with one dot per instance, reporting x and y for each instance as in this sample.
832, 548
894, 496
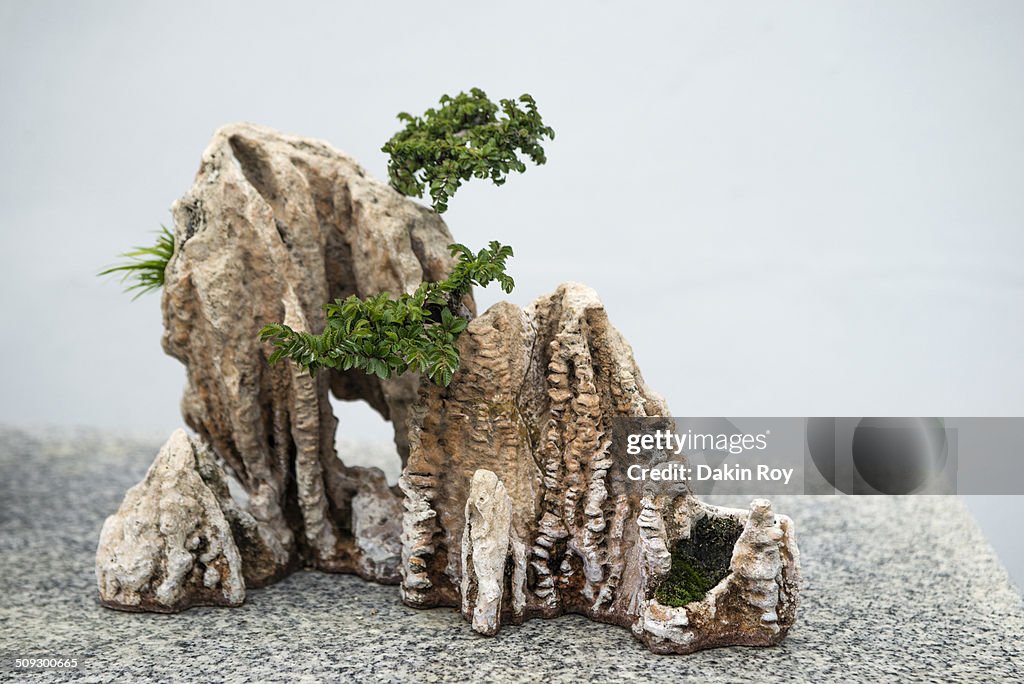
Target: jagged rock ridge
273, 227
528, 418
508, 505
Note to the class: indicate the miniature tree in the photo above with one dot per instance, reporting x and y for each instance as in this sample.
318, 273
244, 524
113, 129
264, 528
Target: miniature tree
384, 337
468, 136
465, 138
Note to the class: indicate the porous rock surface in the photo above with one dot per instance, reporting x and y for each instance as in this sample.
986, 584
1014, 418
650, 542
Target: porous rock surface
273, 227
528, 418
508, 506
486, 545
170, 544
754, 605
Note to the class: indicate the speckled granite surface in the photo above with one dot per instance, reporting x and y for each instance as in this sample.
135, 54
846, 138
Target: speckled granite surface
897, 589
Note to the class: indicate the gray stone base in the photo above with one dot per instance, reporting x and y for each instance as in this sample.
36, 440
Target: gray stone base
895, 589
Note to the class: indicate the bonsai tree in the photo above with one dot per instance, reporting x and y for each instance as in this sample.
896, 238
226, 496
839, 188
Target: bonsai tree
386, 337
463, 139
467, 137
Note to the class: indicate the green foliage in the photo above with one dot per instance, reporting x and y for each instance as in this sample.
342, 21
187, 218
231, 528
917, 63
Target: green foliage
145, 266
699, 562
465, 138
387, 337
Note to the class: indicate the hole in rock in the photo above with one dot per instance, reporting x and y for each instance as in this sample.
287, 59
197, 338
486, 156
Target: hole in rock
699, 562
364, 438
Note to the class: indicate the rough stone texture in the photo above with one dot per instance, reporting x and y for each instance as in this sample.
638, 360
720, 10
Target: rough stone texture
754, 605
486, 546
509, 508
532, 407
170, 545
273, 227
896, 589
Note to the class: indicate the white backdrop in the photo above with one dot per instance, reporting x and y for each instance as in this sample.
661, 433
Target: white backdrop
788, 208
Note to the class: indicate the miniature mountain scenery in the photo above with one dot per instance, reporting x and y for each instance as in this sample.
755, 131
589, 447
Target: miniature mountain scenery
292, 276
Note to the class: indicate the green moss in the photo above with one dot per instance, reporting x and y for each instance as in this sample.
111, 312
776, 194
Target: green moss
684, 584
699, 562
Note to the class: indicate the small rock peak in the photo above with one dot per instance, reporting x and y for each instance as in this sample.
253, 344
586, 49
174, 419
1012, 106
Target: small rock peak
486, 547
170, 545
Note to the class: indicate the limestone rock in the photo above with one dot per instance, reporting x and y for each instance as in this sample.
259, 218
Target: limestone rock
273, 227
486, 542
170, 545
754, 605
757, 560
264, 559
528, 419
508, 505
530, 403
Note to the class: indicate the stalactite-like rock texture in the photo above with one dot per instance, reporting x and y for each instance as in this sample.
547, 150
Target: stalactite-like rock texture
273, 227
508, 507
528, 418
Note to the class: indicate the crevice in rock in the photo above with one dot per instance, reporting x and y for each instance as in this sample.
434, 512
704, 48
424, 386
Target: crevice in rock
256, 167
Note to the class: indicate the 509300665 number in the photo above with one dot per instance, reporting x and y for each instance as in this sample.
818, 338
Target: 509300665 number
45, 663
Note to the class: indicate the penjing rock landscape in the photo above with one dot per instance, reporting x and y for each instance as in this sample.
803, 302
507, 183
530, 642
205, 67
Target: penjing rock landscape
520, 445
273, 227
507, 508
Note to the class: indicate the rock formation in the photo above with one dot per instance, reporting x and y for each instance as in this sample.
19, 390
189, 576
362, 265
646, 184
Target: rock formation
508, 506
170, 544
526, 424
486, 548
274, 227
753, 605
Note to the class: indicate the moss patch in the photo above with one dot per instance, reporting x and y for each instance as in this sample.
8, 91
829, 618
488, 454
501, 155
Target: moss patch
699, 562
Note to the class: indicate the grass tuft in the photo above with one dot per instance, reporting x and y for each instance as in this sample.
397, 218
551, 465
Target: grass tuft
145, 266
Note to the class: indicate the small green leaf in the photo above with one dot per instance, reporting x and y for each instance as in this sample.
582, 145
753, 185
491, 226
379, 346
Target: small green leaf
464, 138
385, 337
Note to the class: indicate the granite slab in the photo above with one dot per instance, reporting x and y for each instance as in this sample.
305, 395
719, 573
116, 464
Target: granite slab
896, 589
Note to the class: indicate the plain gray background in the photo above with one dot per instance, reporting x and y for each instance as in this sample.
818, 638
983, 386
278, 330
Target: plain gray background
788, 208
